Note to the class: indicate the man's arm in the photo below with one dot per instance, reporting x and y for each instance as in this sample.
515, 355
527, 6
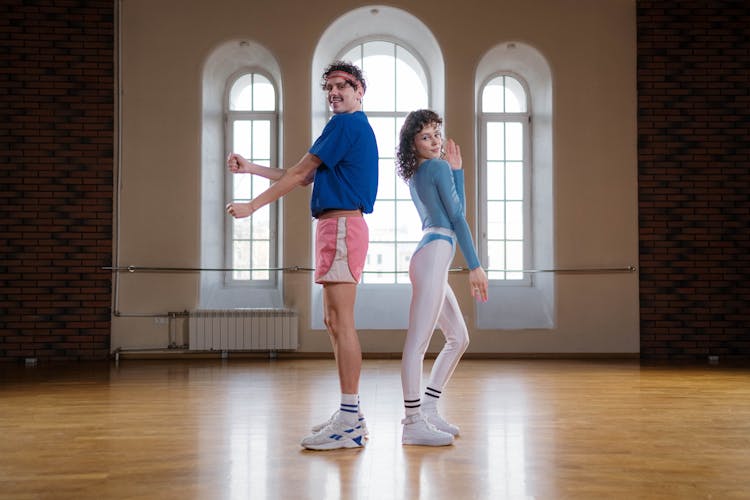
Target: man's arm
239, 165
299, 175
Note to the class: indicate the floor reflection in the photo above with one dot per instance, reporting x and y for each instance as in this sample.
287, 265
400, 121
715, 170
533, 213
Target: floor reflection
529, 429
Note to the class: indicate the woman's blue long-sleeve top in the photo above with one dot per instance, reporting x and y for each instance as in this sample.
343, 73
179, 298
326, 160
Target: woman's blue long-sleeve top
438, 193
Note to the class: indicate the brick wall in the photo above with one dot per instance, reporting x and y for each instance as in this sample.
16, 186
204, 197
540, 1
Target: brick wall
56, 168
694, 178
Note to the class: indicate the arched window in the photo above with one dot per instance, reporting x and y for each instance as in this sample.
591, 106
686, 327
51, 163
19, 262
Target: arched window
396, 84
251, 130
516, 187
505, 175
241, 112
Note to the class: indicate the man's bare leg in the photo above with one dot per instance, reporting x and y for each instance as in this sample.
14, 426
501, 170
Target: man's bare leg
338, 304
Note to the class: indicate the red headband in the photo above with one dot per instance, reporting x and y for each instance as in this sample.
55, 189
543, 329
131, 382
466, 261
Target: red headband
344, 75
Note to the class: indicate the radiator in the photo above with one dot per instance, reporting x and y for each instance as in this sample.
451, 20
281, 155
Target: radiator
243, 330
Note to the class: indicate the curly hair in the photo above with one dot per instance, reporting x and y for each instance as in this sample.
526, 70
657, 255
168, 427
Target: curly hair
348, 68
406, 157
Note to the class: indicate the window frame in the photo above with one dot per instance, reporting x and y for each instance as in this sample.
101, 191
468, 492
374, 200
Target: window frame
230, 117
524, 118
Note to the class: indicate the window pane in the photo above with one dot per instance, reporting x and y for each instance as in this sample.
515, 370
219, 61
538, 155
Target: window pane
241, 94
515, 96
380, 73
514, 220
380, 257
402, 188
514, 141
252, 92
404, 251
264, 96
242, 137
514, 181
385, 133
514, 253
495, 259
382, 222
355, 56
495, 141
241, 228
261, 223
495, 181
411, 91
261, 260
386, 180
495, 220
400, 123
241, 259
242, 187
408, 223
261, 140
492, 100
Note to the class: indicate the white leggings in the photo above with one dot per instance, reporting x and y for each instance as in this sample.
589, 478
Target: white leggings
432, 304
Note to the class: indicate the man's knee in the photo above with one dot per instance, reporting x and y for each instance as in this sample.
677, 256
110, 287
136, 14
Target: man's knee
330, 322
338, 324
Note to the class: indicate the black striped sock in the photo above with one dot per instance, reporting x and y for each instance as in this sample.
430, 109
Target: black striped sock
412, 403
349, 408
411, 406
429, 391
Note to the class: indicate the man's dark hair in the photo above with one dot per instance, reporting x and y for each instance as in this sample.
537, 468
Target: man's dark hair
348, 68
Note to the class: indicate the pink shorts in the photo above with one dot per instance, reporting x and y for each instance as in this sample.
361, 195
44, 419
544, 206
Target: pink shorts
341, 248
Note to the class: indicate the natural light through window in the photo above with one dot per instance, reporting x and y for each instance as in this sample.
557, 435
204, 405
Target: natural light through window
505, 132
396, 84
252, 133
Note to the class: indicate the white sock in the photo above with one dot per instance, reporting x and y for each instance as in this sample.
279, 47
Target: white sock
411, 406
431, 396
349, 410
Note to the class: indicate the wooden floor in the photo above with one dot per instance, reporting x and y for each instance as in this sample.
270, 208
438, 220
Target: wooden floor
211, 429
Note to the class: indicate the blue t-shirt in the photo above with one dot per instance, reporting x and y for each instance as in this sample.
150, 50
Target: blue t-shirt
347, 178
438, 193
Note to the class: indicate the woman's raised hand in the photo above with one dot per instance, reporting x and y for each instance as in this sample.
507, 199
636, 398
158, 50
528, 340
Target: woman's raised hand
453, 154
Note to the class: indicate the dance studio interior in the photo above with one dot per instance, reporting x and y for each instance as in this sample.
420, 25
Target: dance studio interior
153, 347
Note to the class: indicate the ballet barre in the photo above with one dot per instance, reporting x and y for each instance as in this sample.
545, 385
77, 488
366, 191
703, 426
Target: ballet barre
160, 269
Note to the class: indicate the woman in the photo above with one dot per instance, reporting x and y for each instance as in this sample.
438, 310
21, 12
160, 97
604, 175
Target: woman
437, 190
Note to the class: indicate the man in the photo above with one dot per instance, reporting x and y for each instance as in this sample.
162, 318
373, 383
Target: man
343, 166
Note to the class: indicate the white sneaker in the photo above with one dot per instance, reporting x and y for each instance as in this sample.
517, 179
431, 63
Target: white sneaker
317, 428
440, 424
417, 430
336, 434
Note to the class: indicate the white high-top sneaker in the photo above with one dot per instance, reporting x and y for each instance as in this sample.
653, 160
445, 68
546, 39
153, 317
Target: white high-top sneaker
418, 431
439, 422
